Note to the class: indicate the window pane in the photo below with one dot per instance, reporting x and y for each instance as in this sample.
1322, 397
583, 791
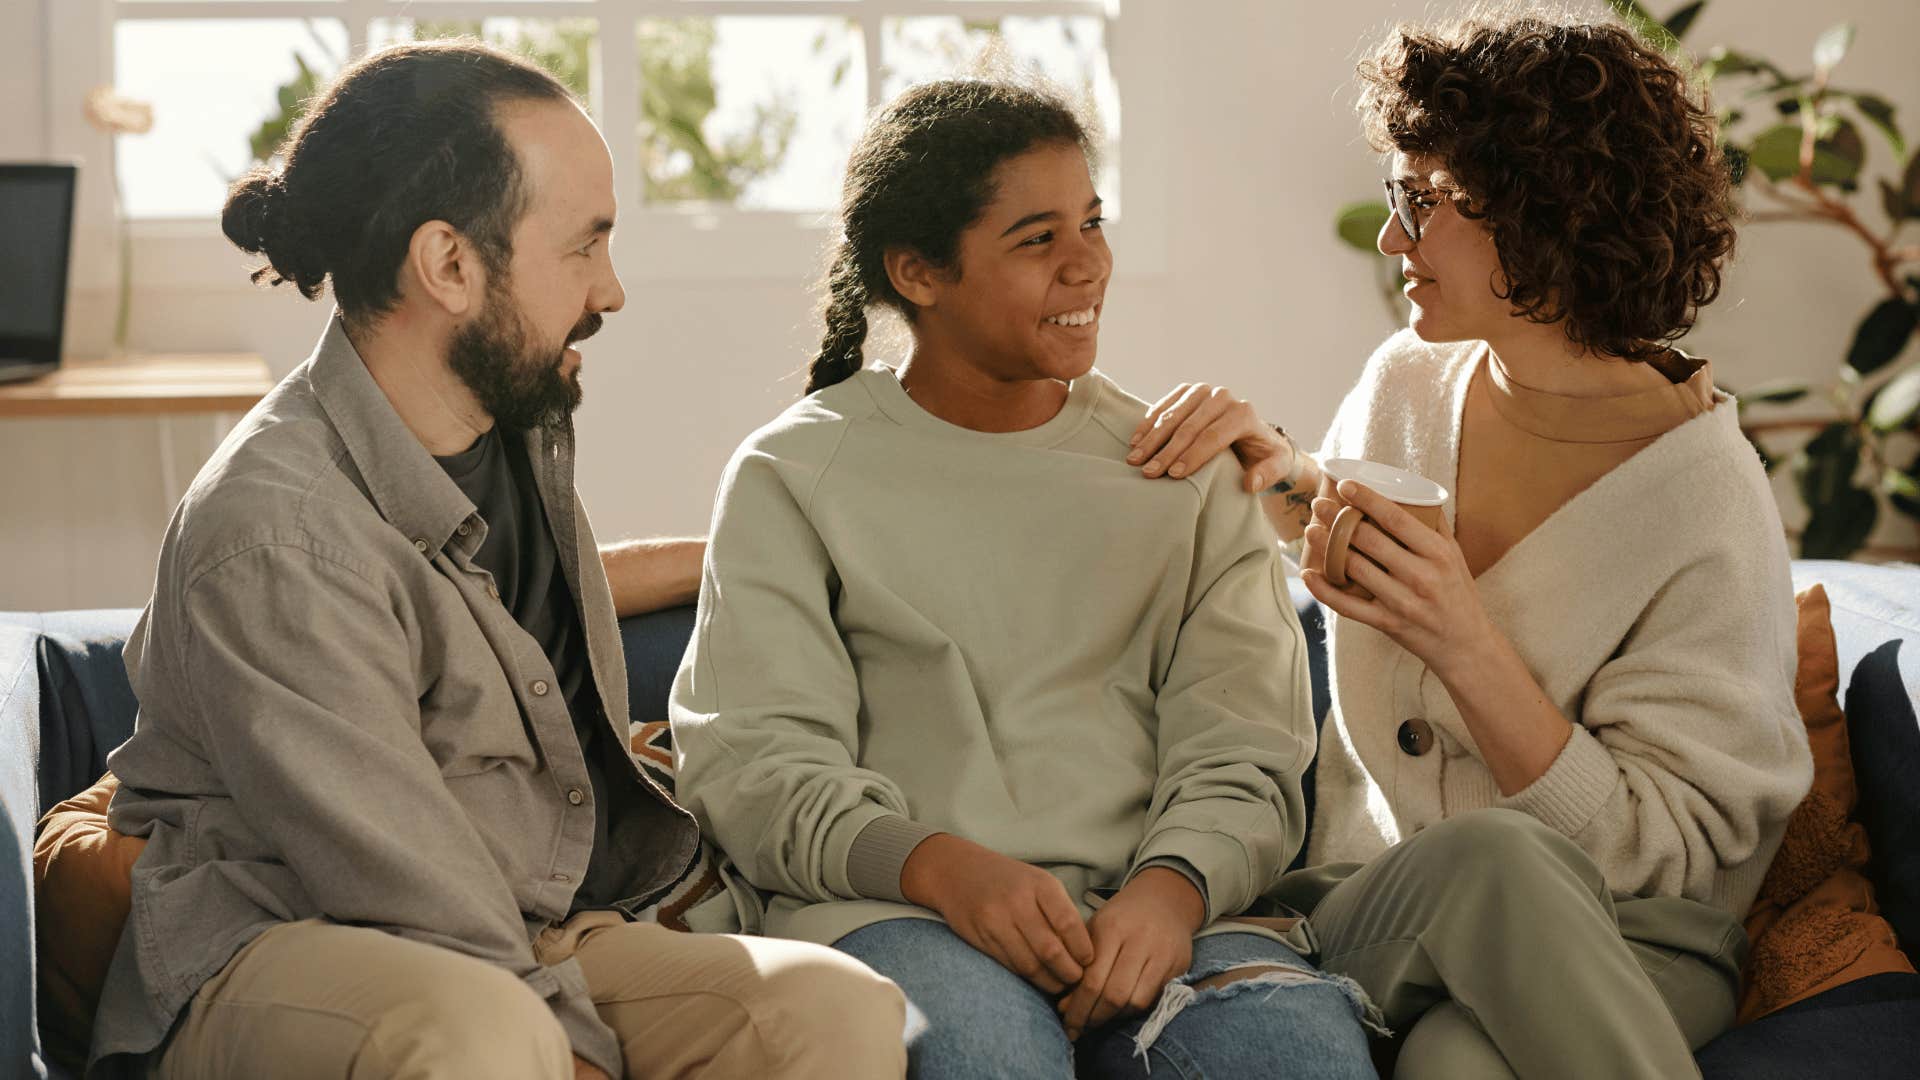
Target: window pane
565, 47
755, 111
1069, 51
222, 92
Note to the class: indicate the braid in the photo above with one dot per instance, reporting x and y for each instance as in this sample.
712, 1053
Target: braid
846, 317
921, 173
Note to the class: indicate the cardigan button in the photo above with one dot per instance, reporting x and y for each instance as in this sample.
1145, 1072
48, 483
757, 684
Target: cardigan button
1416, 737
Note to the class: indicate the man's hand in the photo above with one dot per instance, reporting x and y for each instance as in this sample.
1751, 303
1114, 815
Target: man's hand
1142, 939
587, 1070
1016, 913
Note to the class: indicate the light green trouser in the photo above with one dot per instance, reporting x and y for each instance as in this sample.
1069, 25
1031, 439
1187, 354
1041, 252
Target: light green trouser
1494, 948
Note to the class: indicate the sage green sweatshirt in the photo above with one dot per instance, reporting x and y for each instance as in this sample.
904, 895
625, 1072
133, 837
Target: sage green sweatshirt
908, 627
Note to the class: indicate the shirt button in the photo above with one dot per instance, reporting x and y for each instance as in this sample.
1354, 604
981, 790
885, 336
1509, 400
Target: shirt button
561, 877
464, 529
420, 546
574, 796
539, 688
1416, 737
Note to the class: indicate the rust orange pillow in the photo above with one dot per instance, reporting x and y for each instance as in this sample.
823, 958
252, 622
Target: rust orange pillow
82, 890
1814, 924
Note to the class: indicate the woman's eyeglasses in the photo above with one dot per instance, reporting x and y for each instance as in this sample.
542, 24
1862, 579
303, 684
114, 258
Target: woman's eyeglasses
1411, 205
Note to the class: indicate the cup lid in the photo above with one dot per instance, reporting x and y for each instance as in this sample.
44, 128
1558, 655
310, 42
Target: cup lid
1406, 488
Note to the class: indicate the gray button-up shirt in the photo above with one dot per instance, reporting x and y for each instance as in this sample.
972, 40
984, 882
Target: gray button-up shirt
339, 720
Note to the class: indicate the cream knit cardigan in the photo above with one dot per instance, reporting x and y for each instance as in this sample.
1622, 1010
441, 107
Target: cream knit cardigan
1655, 610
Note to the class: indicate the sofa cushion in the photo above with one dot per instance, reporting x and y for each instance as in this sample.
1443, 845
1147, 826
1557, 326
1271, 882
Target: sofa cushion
1876, 623
86, 703
19, 806
1814, 925
1866, 1030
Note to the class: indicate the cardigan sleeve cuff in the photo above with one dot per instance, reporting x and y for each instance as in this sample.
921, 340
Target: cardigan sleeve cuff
1574, 787
879, 853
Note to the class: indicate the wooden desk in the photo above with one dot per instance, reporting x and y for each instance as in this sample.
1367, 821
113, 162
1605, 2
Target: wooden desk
141, 386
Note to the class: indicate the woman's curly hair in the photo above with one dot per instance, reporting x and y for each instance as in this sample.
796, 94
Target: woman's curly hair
1586, 153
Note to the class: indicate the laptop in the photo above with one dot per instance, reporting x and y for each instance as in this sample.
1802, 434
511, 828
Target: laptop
36, 220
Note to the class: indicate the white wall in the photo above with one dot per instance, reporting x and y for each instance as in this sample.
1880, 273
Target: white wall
1261, 148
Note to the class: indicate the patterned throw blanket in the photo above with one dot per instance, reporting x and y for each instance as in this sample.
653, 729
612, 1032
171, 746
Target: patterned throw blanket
701, 899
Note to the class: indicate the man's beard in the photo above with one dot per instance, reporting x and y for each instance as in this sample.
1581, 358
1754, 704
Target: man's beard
515, 379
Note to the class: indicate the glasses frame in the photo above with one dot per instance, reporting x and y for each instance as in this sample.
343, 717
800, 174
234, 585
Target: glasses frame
1403, 209
1400, 206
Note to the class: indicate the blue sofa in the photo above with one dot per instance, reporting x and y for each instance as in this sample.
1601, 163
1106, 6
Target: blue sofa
65, 703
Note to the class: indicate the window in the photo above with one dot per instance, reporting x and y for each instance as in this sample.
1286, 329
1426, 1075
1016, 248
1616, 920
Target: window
729, 120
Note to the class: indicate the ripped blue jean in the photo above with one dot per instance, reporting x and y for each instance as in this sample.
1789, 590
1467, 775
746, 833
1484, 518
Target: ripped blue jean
983, 1021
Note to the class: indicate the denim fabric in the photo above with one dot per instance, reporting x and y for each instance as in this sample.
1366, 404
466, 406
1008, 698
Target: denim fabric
982, 1021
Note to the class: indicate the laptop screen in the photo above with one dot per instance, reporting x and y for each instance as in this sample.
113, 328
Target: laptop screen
36, 218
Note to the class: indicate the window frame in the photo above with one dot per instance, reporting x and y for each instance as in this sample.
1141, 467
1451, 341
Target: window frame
662, 242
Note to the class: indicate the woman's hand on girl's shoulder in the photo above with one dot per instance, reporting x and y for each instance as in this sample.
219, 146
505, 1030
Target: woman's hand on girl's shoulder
1194, 422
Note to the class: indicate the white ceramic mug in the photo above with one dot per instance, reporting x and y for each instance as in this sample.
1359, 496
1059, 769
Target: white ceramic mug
1415, 494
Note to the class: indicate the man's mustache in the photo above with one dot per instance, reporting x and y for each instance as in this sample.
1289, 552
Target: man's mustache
585, 328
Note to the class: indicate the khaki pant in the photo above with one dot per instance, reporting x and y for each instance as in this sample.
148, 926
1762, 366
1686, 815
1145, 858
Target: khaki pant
320, 1000
1494, 948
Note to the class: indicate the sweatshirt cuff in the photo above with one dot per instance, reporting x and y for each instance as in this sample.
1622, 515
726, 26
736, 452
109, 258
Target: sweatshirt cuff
1573, 789
879, 853
1220, 860
1179, 866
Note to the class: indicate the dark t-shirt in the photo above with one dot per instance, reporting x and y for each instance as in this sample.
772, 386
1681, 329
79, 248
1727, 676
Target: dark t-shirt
519, 552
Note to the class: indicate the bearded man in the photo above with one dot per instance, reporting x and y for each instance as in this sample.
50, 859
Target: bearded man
392, 827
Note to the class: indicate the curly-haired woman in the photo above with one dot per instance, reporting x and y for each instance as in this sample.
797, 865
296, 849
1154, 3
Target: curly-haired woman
1563, 745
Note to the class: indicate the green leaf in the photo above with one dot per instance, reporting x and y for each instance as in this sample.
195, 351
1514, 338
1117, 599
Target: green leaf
1724, 61
1904, 493
1776, 152
1894, 202
1825, 466
1896, 404
1681, 21
1882, 335
1836, 159
1359, 224
1650, 30
1910, 184
1775, 393
1839, 153
1879, 113
1840, 513
1900, 484
1831, 47
1839, 528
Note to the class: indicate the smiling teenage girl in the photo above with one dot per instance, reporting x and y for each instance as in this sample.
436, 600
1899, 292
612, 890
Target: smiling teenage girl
957, 675
1563, 731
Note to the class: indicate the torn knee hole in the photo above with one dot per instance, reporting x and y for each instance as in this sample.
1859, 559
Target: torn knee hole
1234, 975
1270, 977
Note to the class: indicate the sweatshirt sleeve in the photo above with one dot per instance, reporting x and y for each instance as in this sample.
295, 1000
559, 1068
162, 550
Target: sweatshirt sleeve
1235, 721
1687, 754
765, 707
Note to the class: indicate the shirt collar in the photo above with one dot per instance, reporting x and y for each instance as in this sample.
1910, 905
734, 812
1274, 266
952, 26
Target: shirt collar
408, 487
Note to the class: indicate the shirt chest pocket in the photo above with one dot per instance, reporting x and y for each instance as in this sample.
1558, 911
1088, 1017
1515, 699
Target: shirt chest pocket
473, 724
